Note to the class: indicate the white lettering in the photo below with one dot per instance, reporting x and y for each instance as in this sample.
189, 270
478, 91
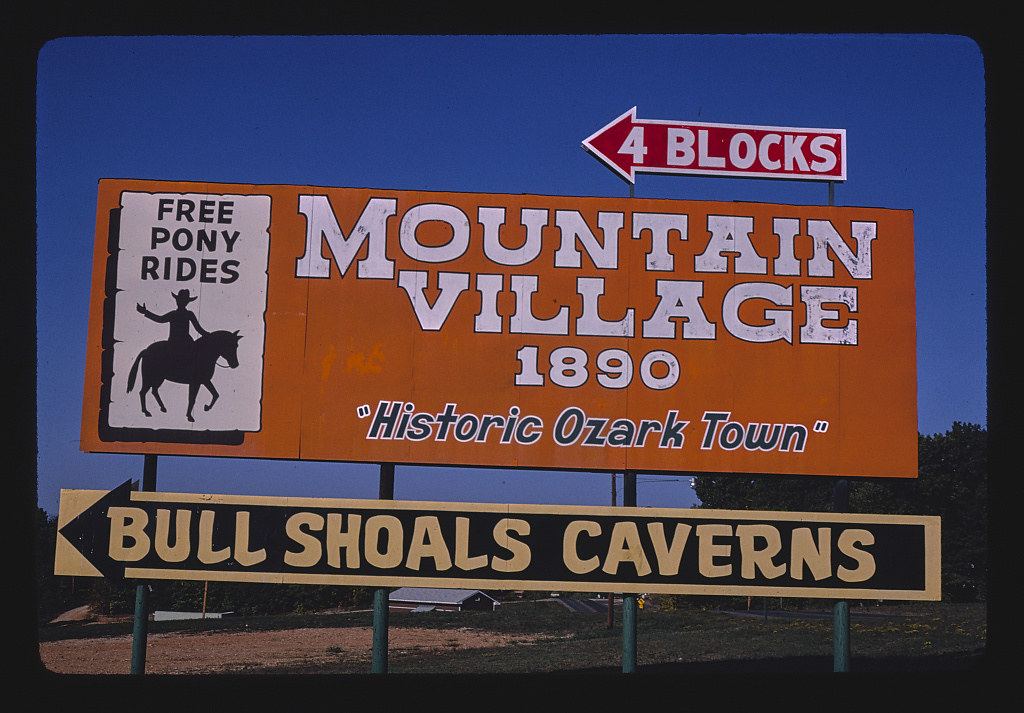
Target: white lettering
533, 219
821, 147
742, 150
780, 322
794, 153
370, 227
660, 224
704, 158
767, 141
730, 233
523, 320
572, 226
679, 299
415, 216
432, 316
815, 331
680, 147
589, 323
826, 238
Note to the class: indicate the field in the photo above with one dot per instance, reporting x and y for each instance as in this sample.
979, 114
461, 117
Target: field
536, 637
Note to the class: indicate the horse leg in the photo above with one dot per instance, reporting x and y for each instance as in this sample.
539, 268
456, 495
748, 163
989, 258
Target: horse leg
142, 399
193, 389
209, 387
156, 395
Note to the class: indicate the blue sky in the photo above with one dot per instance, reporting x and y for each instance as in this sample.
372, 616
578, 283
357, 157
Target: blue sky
501, 114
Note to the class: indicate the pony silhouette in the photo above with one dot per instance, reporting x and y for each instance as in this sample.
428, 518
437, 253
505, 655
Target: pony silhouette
194, 365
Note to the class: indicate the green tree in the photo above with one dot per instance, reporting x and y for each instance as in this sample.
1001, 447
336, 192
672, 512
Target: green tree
255, 598
951, 483
49, 596
736, 491
54, 595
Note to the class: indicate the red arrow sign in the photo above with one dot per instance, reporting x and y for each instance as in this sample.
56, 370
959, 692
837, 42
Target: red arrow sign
629, 146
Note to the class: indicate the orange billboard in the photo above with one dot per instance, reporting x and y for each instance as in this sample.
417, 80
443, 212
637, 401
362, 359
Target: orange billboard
375, 325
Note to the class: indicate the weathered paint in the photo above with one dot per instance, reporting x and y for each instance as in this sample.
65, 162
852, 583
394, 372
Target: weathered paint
508, 330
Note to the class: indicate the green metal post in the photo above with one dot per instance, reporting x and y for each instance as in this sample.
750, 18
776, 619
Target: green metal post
629, 633
841, 609
841, 637
379, 655
629, 608
611, 595
380, 631
140, 628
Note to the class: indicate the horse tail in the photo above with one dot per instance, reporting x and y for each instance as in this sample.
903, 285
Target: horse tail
134, 371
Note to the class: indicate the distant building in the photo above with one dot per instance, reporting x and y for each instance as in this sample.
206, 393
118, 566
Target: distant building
178, 615
427, 599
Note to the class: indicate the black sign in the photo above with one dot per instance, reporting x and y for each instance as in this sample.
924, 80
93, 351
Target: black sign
395, 543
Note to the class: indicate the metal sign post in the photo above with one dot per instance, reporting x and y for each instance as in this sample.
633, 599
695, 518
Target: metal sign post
140, 629
611, 595
379, 653
841, 609
629, 599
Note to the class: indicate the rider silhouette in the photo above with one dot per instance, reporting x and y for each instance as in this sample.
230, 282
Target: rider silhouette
179, 336
181, 359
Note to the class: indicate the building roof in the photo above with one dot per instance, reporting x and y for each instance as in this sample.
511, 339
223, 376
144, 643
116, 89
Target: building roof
427, 595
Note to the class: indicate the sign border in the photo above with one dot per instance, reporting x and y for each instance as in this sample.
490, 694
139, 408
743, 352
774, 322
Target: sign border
78, 501
686, 171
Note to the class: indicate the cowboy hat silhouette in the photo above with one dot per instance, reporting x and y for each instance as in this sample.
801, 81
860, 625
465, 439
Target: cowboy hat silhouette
183, 297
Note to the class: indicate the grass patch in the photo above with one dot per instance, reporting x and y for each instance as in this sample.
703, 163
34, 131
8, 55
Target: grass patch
921, 636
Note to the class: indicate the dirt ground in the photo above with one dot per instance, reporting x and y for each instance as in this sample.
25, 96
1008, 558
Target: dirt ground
218, 652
